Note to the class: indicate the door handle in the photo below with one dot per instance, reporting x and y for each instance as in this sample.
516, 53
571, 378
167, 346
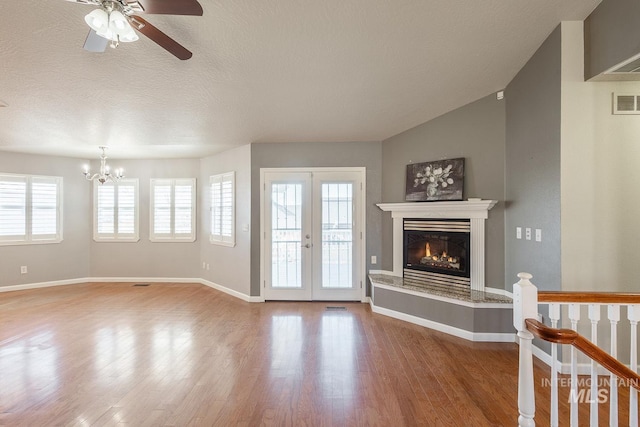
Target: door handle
308, 245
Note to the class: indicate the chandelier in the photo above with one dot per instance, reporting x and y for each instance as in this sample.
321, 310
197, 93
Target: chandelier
111, 23
105, 173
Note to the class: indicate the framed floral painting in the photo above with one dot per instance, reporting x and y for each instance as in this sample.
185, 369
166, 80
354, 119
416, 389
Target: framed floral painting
435, 181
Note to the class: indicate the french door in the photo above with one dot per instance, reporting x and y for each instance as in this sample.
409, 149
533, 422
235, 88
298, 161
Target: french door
312, 234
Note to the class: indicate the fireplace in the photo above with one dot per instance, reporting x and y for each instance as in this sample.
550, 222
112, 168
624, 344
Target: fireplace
437, 250
469, 215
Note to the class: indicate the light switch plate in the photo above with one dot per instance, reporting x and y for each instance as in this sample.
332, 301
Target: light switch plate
518, 232
538, 235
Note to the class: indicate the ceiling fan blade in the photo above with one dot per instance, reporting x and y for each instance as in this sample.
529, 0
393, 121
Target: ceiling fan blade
95, 43
172, 7
160, 38
92, 2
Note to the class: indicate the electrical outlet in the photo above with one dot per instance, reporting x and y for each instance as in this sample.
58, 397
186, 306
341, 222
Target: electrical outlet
207, 266
527, 232
374, 259
518, 232
23, 269
538, 235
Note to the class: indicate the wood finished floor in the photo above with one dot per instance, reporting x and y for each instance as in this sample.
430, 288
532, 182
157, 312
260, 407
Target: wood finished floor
185, 355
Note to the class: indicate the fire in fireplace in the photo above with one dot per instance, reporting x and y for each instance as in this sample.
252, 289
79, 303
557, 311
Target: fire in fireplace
437, 246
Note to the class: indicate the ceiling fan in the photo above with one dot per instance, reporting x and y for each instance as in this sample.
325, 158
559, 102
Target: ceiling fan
114, 21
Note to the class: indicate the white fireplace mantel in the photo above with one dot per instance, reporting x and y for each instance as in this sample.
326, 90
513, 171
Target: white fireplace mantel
476, 210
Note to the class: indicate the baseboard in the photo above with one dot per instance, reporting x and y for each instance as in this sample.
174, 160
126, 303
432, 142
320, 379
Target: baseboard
460, 333
145, 279
231, 292
27, 286
213, 285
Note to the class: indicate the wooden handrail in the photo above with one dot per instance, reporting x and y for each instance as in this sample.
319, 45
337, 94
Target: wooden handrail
589, 297
568, 336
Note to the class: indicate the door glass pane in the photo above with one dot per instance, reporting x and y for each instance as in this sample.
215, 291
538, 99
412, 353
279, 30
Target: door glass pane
286, 235
337, 235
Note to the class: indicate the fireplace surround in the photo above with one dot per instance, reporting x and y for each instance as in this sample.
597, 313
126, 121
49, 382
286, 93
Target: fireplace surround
473, 211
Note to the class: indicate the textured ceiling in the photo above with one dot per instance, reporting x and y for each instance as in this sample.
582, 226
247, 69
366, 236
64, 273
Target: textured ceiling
262, 71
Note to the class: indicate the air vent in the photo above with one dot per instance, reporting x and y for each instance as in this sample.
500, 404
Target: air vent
142, 284
626, 103
335, 308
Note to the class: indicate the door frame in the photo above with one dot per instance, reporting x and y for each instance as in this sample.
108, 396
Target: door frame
361, 274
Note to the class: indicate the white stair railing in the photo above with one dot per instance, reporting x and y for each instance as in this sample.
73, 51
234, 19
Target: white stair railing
526, 300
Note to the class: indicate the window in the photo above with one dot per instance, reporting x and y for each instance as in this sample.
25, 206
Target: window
115, 211
172, 210
223, 209
30, 209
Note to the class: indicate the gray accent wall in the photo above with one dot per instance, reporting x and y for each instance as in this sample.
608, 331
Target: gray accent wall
317, 154
476, 132
146, 259
228, 266
58, 261
612, 35
532, 177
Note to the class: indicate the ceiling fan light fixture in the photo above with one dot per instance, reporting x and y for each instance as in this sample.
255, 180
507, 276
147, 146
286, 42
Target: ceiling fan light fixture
129, 36
107, 34
98, 20
118, 23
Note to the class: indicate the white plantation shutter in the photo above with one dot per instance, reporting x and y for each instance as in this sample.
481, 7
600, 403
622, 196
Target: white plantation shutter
13, 208
184, 209
115, 212
45, 208
105, 209
30, 209
223, 209
173, 210
127, 199
161, 209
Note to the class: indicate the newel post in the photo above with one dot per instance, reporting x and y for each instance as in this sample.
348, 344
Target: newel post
525, 306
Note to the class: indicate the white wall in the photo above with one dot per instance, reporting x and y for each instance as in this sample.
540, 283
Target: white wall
228, 266
600, 172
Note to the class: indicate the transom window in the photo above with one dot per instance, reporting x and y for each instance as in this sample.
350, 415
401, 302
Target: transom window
30, 209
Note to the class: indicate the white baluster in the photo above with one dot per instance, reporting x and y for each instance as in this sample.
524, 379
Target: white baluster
525, 306
633, 314
613, 313
594, 316
574, 317
554, 315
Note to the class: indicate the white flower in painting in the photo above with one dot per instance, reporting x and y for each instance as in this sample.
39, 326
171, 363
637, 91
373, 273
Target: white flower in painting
435, 178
